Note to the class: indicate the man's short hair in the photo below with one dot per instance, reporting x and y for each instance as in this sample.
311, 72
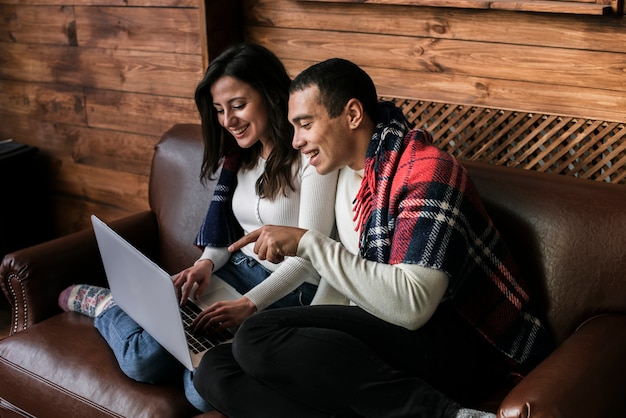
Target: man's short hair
339, 80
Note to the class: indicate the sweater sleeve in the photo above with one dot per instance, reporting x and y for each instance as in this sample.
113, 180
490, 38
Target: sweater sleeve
316, 212
218, 255
402, 294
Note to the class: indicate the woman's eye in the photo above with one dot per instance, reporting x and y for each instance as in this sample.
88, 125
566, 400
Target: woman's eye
239, 106
219, 111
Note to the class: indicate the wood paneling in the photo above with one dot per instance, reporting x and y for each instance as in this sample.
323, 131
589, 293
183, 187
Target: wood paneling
558, 64
553, 65
139, 28
93, 85
137, 113
40, 24
585, 7
606, 33
41, 101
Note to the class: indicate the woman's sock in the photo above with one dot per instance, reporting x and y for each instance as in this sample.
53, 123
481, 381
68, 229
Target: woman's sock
86, 299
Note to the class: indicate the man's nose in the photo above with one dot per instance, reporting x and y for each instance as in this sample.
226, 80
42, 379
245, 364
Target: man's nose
298, 141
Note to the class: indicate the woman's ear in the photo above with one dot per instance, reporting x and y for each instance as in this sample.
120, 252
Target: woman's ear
354, 113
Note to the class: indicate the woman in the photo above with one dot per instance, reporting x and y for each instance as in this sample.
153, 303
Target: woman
242, 101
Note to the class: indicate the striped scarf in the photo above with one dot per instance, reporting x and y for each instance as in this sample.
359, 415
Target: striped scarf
417, 205
220, 227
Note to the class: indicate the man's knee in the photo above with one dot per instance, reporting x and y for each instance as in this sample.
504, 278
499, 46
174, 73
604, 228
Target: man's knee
255, 341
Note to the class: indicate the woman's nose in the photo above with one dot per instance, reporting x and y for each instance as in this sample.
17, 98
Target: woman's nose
229, 118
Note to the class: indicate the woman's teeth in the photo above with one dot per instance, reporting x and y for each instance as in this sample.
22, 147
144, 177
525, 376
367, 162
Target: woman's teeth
239, 131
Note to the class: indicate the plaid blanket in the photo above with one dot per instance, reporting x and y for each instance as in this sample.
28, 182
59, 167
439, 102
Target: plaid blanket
417, 205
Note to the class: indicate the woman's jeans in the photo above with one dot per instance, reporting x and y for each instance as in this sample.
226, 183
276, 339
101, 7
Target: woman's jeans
340, 361
244, 273
143, 359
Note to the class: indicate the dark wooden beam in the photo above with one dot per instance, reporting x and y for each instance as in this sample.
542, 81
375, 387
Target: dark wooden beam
221, 23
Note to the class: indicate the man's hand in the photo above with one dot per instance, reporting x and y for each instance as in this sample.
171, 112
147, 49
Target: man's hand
273, 243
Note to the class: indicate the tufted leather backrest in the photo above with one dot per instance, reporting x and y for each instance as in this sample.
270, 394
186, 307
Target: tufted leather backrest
567, 235
177, 196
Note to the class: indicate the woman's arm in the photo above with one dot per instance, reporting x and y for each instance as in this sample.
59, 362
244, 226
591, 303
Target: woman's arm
218, 255
316, 212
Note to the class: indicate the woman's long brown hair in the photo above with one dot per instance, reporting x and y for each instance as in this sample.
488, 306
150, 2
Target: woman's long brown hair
262, 70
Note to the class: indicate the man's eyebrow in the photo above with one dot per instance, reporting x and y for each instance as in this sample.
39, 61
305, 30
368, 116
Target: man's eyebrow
298, 118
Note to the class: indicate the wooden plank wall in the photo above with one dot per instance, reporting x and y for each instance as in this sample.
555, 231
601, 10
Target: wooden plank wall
93, 84
542, 62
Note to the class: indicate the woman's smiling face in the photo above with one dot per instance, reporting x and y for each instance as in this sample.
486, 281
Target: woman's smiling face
241, 110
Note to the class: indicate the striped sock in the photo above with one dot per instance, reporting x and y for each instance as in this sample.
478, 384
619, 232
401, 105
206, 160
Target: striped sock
86, 299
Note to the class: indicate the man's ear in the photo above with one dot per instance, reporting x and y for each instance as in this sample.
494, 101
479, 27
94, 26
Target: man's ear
354, 113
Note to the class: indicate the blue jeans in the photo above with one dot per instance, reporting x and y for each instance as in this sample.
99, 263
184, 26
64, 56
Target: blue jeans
244, 273
143, 359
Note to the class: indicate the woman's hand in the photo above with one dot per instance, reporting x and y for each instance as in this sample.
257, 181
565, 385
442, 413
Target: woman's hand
224, 314
199, 273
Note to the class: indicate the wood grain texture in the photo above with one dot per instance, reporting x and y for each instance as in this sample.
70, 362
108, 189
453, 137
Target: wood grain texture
151, 72
559, 64
581, 7
134, 28
595, 33
554, 66
94, 85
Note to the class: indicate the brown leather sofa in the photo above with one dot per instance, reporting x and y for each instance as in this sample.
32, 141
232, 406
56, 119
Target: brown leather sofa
568, 236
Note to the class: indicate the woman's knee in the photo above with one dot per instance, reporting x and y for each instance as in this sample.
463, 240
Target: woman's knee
153, 366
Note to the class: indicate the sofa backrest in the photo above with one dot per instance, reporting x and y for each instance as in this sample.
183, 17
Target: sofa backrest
568, 236
177, 196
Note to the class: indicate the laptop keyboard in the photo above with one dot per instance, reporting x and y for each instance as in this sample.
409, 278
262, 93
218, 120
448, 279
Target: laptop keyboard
199, 343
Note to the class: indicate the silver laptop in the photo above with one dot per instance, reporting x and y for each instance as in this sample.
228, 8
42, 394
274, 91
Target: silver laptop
147, 294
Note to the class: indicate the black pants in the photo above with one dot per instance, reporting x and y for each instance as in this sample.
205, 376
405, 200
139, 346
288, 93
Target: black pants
323, 361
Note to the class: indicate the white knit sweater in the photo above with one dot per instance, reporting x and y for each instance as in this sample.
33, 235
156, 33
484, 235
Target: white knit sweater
310, 206
403, 294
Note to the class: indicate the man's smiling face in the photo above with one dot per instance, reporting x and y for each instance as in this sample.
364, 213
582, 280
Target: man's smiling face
325, 141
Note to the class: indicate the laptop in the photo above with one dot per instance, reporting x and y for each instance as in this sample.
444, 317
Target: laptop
147, 294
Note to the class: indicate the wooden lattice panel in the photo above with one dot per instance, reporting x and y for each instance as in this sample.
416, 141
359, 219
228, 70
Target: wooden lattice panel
585, 148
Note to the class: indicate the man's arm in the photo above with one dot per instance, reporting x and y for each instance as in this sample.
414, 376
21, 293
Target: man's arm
272, 243
402, 294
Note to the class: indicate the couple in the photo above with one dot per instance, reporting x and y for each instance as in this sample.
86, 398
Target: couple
420, 306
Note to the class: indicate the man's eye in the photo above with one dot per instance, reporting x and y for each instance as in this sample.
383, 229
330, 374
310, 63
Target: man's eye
305, 125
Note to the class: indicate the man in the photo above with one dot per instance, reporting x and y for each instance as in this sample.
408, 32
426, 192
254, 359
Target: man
428, 309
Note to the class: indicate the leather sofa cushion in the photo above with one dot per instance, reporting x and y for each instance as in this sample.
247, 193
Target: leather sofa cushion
67, 353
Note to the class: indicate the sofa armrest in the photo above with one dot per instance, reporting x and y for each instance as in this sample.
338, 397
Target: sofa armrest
584, 377
32, 278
